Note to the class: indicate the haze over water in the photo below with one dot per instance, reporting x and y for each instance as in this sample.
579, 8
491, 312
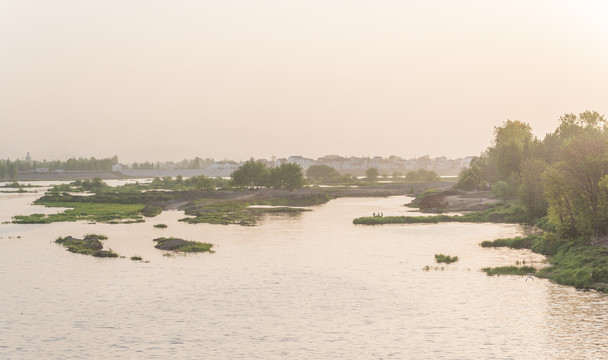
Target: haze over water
300, 287
234, 79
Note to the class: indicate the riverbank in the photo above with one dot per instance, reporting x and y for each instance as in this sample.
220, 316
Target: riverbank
571, 262
492, 211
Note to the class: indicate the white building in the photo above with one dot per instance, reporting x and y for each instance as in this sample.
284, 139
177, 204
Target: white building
304, 163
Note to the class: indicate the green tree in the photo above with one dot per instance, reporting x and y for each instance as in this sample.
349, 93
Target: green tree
250, 174
2, 169
501, 189
511, 145
572, 187
322, 173
530, 191
372, 174
422, 175
11, 170
201, 182
286, 176
469, 179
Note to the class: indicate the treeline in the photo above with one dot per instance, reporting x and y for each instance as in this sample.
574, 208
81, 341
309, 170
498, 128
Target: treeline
9, 168
255, 174
196, 163
561, 180
200, 182
327, 174
80, 164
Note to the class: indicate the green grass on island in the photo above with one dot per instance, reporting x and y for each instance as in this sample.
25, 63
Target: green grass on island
175, 244
503, 213
108, 213
239, 211
509, 270
440, 258
97, 202
160, 226
89, 245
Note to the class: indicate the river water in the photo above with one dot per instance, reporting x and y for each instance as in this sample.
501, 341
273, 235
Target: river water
303, 286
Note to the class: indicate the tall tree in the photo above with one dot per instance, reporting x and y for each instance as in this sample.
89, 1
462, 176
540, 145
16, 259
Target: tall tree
250, 174
2, 169
511, 146
530, 191
323, 173
286, 176
11, 170
572, 186
372, 174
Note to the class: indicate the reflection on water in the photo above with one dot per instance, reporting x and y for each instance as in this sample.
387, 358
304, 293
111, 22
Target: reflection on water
311, 286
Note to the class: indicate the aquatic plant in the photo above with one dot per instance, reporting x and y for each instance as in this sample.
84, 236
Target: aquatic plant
440, 258
509, 270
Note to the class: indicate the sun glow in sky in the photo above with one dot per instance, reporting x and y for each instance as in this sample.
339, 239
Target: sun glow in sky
167, 80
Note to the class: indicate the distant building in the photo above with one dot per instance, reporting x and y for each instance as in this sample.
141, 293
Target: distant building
117, 167
304, 163
224, 165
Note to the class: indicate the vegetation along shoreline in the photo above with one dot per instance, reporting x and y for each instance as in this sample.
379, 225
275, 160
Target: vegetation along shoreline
558, 184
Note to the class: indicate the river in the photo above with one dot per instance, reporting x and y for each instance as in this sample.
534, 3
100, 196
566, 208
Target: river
303, 286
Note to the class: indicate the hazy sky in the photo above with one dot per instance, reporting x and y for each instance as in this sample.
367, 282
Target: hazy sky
167, 80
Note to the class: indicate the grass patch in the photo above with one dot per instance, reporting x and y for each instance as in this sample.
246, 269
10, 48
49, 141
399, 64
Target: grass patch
546, 245
504, 213
238, 211
90, 245
513, 243
440, 258
572, 262
136, 258
82, 211
509, 270
151, 210
581, 266
175, 244
160, 226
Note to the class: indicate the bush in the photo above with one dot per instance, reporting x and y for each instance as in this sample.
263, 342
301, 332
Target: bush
440, 258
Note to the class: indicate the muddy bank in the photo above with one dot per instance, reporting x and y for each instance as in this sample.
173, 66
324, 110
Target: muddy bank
453, 200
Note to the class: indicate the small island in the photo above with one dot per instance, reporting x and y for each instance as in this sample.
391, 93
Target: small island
90, 245
175, 244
